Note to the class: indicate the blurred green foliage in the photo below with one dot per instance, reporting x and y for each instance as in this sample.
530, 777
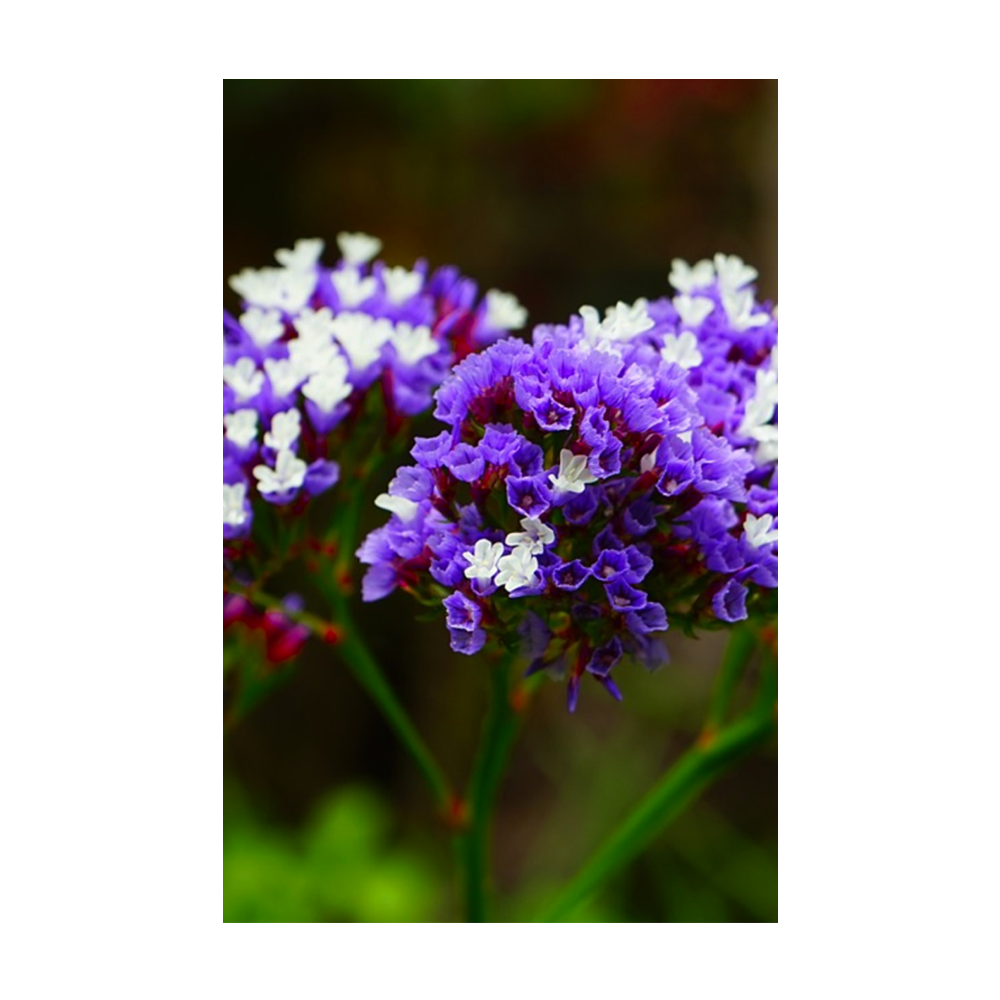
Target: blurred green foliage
343, 866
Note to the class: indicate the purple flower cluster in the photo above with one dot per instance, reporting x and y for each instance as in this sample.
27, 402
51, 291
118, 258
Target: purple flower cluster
597, 483
310, 344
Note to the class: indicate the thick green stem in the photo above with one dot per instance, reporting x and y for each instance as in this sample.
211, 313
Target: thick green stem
474, 843
695, 770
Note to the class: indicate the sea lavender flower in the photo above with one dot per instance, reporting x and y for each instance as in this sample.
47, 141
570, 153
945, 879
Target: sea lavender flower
586, 492
316, 349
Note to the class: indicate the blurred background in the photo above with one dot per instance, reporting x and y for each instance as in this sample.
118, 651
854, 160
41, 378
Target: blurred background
564, 193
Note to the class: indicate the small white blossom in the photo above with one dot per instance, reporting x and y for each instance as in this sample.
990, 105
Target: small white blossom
573, 473
329, 386
413, 344
483, 560
263, 325
305, 255
243, 378
536, 535
314, 324
504, 312
352, 289
591, 323
767, 451
681, 350
361, 337
685, 436
758, 530
686, 278
289, 473
241, 427
284, 376
233, 511
311, 355
517, 570
401, 285
693, 311
275, 287
733, 273
739, 309
767, 384
285, 430
648, 462
757, 413
404, 509
623, 321
358, 248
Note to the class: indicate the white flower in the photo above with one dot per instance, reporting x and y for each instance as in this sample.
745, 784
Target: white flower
401, 285
263, 325
758, 530
517, 570
275, 287
241, 427
767, 451
733, 273
774, 352
573, 473
243, 378
311, 355
361, 337
504, 312
623, 321
305, 255
686, 278
289, 473
767, 383
352, 289
483, 560
314, 324
358, 248
329, 386
233, 511
591, 323
682, 350
413, 344
285, 430
285, 377
536, 535
693, 311
648, 462
404, 509
739, 306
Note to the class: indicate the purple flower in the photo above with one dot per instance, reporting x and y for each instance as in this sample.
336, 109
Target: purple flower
462, 613
528, 495
465, 463
637, 451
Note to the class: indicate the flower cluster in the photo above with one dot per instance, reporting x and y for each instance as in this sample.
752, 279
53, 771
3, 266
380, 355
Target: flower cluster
309, 344
611, 476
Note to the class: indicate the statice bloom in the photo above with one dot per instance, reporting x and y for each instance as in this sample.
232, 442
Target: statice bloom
315, 349
586, 492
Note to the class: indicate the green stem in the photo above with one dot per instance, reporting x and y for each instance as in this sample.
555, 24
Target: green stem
692, 773
362, 664
474, 844
742, 643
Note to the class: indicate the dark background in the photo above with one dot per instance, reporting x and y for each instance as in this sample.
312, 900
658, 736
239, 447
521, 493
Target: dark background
564, 193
